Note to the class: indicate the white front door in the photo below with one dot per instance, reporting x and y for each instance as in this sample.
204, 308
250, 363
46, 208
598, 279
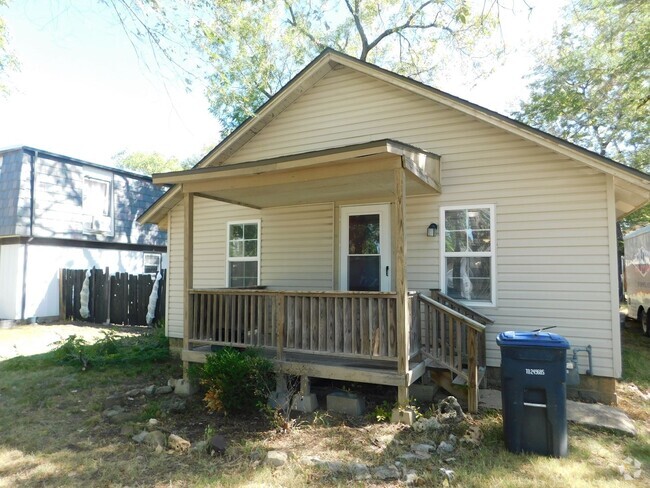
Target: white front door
365, 248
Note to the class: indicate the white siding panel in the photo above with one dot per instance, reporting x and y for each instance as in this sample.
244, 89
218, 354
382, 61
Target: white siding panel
298, 247
175, 243
553, 242
11, 280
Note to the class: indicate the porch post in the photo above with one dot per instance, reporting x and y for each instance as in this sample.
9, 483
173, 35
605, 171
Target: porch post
401, 286
188, 273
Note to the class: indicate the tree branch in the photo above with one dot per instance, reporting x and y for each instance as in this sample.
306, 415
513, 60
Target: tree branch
405, 25
362, 34
293, 21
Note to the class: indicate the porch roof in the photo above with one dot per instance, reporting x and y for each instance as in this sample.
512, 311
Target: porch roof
360, 171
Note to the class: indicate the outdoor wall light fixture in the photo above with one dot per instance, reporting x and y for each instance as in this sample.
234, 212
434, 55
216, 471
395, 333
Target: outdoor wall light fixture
432, 230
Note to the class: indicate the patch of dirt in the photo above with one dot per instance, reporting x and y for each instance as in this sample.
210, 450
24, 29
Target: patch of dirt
27, 340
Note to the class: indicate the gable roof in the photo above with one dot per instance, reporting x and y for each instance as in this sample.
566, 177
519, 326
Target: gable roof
631, 185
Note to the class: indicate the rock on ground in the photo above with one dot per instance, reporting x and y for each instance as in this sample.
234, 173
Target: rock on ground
174, 405
450, 410
177, 443
276, 458
386, 472
218, 444
156, 439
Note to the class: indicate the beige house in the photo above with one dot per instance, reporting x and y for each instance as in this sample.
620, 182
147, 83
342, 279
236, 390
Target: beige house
319, 227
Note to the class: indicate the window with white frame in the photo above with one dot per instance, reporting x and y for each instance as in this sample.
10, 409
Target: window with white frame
243, 254
151, 262
468, 253
97, 204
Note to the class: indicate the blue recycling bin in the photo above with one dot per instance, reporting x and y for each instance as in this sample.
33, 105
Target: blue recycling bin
533, 392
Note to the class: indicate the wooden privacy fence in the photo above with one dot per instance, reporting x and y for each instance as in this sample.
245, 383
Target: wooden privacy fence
120, 298
352, 324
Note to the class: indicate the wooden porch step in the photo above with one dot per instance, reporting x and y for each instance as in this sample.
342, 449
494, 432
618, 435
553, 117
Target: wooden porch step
453, 383
460, 380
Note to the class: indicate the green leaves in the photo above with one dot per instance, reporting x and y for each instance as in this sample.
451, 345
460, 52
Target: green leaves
592, 88
149, 163
237, 382
8, 61
254, 48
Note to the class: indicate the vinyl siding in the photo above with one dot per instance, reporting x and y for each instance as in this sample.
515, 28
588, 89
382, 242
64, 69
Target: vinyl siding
552, 230
175, 249
59, 211
296, 249
14, 194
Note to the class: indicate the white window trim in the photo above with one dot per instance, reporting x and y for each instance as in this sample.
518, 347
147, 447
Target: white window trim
384, 212
144, 255
104, 177
235, 259
491, 254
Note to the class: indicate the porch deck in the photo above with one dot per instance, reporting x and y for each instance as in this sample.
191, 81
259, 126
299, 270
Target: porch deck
358, 370
350, 336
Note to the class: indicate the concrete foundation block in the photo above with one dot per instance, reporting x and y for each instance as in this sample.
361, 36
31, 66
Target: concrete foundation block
347, 403
423, 393
403, 416
305, 403
279, 400
184, 387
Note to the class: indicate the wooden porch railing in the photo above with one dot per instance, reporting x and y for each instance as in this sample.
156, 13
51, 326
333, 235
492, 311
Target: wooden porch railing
453, 341
455, 305
354, 324
439, 296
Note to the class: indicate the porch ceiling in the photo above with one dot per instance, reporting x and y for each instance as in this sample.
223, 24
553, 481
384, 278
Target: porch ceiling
362, 171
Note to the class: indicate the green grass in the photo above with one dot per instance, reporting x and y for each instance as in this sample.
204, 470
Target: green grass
636, 356
53, 432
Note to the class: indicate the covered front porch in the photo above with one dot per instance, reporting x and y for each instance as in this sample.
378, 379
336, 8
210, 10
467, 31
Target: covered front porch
350, 336
363, 330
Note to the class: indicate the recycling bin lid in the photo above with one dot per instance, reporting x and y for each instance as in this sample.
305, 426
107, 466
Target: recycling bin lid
532, 339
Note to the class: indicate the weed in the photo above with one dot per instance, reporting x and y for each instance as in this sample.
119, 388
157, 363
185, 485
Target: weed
381, 412
72, 349
209, 433
151, 411
322, 418
111, 349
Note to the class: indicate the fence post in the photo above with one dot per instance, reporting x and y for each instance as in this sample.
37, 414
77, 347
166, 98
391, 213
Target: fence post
107, 277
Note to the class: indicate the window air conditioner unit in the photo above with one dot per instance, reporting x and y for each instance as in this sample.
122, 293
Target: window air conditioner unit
100, 225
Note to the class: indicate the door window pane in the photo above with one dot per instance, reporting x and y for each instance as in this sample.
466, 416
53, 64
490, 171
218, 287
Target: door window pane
364, 273
363, 234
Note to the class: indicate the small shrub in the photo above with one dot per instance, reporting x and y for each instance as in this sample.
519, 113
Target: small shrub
236, 381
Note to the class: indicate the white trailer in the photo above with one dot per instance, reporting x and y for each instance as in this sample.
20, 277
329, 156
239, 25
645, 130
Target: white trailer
637, 276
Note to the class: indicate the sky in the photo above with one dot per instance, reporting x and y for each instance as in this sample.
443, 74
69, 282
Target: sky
83, 91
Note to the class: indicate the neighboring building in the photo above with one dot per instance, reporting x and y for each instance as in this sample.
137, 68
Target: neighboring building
59, 212
341, 181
